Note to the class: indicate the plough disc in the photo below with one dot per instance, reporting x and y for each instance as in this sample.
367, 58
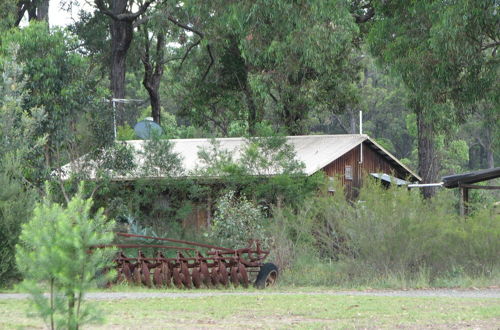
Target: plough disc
219, 266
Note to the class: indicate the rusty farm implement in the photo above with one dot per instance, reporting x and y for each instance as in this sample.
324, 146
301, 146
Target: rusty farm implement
188, 267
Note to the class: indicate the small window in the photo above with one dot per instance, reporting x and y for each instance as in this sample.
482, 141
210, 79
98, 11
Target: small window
348, 172
331, 184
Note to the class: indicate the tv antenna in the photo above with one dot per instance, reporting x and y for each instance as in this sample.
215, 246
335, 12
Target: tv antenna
124, 101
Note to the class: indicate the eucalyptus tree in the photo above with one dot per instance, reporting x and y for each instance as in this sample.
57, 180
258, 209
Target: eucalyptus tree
275, 60
35, 9
7, 14
123, 22
446, 54
57, 80
160, 26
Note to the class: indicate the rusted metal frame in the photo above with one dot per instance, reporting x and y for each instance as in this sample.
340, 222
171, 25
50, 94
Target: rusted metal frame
228, 260
208, 246
139, 246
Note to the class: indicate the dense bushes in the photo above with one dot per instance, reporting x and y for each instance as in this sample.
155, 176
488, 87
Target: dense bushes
236, 221
54, 254
387, 233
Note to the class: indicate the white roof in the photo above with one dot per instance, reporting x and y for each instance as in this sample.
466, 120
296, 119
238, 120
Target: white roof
315, 151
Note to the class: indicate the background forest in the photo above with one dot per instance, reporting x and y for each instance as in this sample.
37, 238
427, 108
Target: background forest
425, 74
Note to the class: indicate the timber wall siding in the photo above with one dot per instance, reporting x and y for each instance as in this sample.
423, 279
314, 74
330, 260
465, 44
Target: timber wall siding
372, 162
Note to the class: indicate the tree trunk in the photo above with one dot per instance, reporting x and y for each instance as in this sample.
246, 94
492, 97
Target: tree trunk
490, 159
252, 109
42, 13
352, 121
427, 160
122, 32
153, 73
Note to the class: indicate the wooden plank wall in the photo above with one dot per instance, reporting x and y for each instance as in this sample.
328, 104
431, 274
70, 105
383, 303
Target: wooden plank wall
372, 162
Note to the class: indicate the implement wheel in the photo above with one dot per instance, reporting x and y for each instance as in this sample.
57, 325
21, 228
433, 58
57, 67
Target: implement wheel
267, 276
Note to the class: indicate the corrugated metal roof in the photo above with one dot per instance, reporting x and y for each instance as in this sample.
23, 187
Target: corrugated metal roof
389, 179
315, 151
453, 181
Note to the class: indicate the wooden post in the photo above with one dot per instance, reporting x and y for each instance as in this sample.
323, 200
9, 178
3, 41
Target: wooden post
464, 201
462, 198
209, 209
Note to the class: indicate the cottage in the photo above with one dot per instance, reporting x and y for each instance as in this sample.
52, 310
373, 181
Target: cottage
346, 156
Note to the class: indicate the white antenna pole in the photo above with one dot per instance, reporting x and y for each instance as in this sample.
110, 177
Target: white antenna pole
361, 122
114, 118
113, 100
361, 132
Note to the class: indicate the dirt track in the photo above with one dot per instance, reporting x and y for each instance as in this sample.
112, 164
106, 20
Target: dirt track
450, 293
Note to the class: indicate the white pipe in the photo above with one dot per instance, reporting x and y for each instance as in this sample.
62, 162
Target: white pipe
114, 118
422, 185
361, 122
361, 132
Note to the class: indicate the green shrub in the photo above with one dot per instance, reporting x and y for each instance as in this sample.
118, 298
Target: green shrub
236, 221
54, 253
16, 204
387, 236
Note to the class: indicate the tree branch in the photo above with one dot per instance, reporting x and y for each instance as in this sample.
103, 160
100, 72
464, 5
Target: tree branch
209, 65
124, 16
491, 45
188, 50
366, 16
273, 97
185, 27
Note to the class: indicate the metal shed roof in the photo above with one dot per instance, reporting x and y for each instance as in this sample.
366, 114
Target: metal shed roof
315, 151
453, 181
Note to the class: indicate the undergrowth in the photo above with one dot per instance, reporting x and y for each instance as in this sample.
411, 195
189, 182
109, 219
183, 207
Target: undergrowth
388, 238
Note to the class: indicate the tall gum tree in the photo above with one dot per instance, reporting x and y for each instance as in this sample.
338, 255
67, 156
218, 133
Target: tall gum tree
446, 54
123, 22
275, 60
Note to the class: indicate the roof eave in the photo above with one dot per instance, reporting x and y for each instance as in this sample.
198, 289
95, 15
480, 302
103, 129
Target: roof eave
392, 158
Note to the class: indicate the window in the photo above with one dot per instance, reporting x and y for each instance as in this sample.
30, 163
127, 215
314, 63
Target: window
348, 172
331, 184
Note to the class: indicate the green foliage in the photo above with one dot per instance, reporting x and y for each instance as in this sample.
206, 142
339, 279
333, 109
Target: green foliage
57, 79
7, 15
16, 204
18, 144
270, 155
216, 161
236, 221
159, 159
387, 233
53, 253
125, 132
261, 156
117, 159
259, 72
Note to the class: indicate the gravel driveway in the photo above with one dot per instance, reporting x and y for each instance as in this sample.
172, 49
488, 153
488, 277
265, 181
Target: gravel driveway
449, 293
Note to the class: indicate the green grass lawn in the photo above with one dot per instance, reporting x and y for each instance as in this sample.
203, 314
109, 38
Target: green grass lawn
279, 311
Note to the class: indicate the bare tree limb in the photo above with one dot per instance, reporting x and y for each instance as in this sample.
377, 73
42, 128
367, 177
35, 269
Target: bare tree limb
124, 16
185, 27
370, 12
491, 45
273, 97
209, 65
188, 50
341, 123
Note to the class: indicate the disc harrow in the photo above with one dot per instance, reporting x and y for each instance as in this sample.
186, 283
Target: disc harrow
189, 268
